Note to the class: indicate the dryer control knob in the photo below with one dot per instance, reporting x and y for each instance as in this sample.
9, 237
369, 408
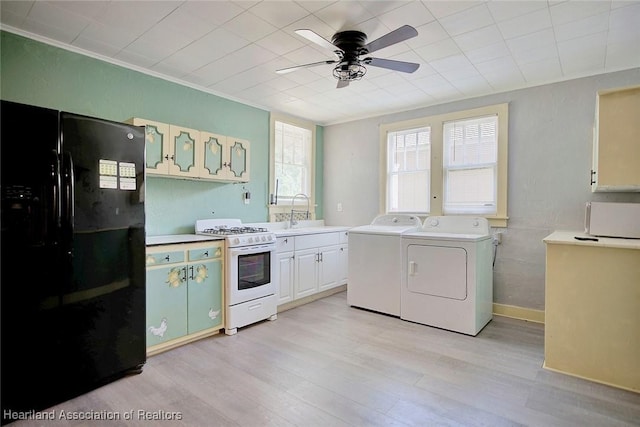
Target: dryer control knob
476, 223
433, 222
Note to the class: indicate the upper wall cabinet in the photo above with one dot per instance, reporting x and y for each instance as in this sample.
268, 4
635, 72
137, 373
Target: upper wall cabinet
179, 152
616, 147
224, 158
183, 145
156, 145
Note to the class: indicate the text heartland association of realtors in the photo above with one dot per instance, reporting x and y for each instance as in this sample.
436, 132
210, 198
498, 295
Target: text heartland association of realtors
133, 414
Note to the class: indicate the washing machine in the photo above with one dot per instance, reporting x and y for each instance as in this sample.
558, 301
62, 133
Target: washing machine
447, 279
375, 262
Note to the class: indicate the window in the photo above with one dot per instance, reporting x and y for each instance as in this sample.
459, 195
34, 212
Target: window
470, 161
292, 164
408, 170
449, 164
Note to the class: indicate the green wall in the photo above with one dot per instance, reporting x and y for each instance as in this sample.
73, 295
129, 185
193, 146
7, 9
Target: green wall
36, 73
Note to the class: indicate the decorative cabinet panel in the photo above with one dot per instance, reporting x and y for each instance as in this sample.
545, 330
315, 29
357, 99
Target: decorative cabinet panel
213, 154
180, 152
225, 158
184, 293
616, 141
237, 159
166, 304
183, 142
156, 144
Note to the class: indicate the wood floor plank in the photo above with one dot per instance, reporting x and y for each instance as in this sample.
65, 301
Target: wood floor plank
328, 364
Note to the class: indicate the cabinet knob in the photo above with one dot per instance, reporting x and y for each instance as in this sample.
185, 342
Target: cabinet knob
167, 258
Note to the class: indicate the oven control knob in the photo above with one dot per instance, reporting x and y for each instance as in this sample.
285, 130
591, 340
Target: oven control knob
236, 241
264, 238
249, 239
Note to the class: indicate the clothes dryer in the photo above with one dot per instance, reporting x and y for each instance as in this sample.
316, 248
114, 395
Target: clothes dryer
447, 279
375, 262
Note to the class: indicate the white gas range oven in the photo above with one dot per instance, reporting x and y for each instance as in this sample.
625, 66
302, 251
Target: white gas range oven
250, 292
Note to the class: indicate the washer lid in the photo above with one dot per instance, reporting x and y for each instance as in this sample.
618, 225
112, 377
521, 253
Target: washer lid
383, 229
397, 220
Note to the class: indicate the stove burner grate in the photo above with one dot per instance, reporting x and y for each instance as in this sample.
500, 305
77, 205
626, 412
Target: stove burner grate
228, 231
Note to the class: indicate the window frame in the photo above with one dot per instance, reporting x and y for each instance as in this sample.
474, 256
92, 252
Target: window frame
284, 205
436, 123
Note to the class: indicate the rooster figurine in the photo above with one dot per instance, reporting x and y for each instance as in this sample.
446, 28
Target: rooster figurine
160, 330
213, 314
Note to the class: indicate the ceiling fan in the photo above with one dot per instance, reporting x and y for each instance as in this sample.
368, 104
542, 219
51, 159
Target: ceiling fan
350, 45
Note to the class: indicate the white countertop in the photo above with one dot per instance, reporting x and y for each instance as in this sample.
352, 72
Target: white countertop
179, 238
281, 229
310, 230
569, 238
304, 227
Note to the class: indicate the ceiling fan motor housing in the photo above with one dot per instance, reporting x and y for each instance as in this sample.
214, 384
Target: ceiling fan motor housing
351, 42
352, 45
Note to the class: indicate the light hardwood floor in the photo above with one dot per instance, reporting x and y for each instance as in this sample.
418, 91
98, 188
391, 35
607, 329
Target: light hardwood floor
327, 364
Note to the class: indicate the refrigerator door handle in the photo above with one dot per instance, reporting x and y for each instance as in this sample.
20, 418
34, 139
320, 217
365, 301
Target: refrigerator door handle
69, 193
56, 184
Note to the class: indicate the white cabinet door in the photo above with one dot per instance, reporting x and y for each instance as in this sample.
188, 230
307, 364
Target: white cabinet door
328, 275
306, 276
285, 269
343, 264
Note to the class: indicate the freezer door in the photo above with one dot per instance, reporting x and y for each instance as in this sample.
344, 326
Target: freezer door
31, 261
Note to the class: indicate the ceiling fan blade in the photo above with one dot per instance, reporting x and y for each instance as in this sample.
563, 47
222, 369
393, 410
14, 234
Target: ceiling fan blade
342, 83
317, 39
297, 67
396, 36
405, 67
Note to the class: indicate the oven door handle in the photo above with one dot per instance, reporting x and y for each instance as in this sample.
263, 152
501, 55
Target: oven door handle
248, 250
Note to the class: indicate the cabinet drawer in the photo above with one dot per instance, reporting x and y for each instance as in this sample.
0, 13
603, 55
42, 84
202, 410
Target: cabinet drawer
344, 237
160, 258
316, 240
205, 253
284, 244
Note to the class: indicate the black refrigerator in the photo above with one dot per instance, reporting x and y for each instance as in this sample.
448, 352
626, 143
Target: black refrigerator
73, 244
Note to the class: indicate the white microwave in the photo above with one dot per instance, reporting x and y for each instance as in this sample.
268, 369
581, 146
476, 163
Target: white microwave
610, 219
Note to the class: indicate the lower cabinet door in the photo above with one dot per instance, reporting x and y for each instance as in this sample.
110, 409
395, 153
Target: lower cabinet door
204, 295
166, 304
306, 279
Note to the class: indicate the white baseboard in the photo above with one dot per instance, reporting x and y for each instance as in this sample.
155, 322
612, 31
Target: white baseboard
522, 313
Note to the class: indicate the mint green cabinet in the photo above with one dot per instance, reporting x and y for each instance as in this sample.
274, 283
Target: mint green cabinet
166, 304
185, 293
204, 294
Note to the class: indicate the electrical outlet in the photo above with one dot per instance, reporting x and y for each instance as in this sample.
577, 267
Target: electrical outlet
497, 238
339, 206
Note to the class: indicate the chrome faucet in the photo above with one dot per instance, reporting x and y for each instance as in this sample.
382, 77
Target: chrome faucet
292, 220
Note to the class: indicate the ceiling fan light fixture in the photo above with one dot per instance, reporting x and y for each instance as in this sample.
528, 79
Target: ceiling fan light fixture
348, 71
